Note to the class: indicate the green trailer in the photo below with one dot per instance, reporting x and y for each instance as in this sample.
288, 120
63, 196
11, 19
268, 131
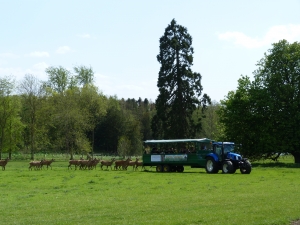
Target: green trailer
173, 155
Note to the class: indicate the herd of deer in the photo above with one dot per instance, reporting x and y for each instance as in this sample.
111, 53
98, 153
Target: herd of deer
119, 164
85, 164
39, 164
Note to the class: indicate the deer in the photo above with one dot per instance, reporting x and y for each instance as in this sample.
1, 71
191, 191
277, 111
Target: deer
74, 162
93, 163
47, 163
35, 164
122, 163
139, 164
106, 163
3, 163
83, 164
133, 163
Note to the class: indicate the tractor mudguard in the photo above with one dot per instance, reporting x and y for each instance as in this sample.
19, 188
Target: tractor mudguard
214, 156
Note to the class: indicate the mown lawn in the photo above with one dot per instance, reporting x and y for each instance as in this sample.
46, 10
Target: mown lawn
269, 195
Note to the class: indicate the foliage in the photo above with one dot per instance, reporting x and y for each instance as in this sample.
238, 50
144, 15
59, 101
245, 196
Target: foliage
59, 78
10, 124
264, 115
123, 146
179, 87
68, 114
94, 106
69, 123
211, 127
84, 75
31, 90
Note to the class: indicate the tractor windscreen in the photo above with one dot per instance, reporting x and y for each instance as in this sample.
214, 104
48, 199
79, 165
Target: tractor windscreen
228, 148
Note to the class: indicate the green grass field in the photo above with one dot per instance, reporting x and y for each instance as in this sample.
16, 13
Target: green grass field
269, 195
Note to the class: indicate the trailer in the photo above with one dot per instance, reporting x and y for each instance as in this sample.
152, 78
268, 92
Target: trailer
173, 155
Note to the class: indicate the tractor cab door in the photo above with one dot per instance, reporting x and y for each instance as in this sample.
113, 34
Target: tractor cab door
218, 150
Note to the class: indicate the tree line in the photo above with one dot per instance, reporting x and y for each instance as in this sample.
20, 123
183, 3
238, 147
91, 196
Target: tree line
68, 114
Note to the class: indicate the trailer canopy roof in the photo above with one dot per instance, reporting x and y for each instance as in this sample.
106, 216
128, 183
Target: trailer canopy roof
202, 140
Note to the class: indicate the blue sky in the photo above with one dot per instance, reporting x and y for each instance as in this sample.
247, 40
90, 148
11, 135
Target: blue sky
120, 39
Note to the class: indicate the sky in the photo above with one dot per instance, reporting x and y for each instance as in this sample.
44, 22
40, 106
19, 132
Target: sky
120, 39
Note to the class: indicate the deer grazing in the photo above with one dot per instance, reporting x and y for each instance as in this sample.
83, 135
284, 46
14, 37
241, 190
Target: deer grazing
3, 163
47, 163
106, 163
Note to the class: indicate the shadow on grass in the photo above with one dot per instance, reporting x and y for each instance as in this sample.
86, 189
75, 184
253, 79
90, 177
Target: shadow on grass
276, 164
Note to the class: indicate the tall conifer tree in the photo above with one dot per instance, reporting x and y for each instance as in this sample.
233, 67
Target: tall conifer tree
179, 87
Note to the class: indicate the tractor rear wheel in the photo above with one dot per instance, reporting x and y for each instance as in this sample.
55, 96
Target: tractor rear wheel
211, 165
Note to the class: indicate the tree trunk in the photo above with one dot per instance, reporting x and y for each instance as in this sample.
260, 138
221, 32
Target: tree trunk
296, 156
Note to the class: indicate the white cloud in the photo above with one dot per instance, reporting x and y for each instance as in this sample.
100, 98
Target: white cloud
37, 70
38, 54
40, 66
9, 55
63, 50
124, 88
84, 35
16, 72
290, 33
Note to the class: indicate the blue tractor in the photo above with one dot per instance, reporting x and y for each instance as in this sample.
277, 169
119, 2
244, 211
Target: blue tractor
224, 158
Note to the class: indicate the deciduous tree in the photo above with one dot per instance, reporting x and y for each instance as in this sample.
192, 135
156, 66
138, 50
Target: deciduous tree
264, 115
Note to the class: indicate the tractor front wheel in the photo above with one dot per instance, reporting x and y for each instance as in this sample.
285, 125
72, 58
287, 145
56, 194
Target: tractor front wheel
227, 167
246, 167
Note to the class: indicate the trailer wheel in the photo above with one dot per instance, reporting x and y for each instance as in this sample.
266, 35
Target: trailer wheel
180, 169
227, 167
159, 168
246, 168
166, 168
173, 168
211, 166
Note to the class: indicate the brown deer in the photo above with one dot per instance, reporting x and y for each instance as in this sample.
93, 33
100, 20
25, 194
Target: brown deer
93, 163
47, 163
35, 164
133, 163
3, 163
83, 164
74, 162
107, 163
139, 164
122, 163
